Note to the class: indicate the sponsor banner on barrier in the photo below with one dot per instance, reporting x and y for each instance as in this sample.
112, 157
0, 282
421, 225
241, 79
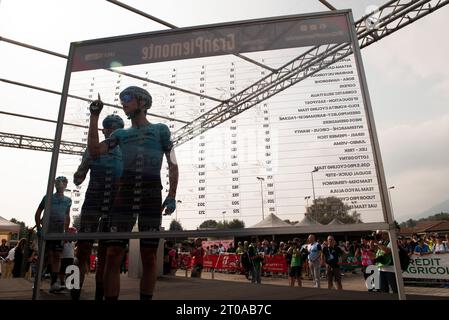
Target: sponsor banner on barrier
210, 261
185, 260
276, 263
432, 266
231, 261
228, 261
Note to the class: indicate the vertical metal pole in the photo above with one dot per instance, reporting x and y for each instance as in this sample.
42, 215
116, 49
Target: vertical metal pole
391, 200
314, 202
388, 216
261, 196
51, 176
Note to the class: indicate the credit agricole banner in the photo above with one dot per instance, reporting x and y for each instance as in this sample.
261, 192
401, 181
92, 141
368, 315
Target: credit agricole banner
433, 266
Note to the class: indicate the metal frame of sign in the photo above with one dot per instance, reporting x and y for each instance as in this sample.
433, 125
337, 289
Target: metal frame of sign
388, 215
387, 224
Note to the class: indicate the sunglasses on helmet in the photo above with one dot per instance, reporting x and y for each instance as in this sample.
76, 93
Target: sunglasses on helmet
127, 98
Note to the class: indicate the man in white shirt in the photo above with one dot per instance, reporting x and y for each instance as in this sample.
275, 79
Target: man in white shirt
221, 249
314, 258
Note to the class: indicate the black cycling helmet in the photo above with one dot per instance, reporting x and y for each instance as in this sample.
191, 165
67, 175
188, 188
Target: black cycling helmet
140, 94
62, 178
113, 121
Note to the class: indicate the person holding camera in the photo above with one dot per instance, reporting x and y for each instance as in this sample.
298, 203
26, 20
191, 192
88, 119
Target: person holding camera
367, 253
384, 261
413, 243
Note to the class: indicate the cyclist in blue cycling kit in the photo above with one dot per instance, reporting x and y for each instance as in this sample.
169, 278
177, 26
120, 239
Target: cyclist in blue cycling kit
105, 171
143, 146
59, 222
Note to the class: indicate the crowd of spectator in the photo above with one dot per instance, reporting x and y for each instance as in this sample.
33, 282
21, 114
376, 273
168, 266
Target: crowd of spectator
20, 260
17, 260
310, 258
318, 259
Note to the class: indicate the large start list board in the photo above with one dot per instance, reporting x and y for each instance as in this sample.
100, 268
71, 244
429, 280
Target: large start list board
310, 139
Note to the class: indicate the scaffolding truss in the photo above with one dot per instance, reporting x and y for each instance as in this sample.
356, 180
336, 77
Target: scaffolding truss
387, 19
391, 17
39, 144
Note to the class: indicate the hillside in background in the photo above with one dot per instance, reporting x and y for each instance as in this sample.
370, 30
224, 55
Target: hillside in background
441, 207
436, 217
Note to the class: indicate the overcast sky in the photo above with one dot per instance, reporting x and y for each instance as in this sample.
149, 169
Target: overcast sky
407, 72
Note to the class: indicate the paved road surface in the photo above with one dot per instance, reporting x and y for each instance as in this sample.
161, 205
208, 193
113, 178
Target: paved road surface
224, 287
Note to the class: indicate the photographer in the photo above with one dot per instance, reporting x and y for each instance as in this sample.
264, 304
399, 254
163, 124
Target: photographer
413, 243
384, 261
367, 253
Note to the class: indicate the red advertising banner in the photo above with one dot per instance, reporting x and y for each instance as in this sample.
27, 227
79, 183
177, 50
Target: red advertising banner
228, 261
185, 260
276, 263
231, 262
210, 261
